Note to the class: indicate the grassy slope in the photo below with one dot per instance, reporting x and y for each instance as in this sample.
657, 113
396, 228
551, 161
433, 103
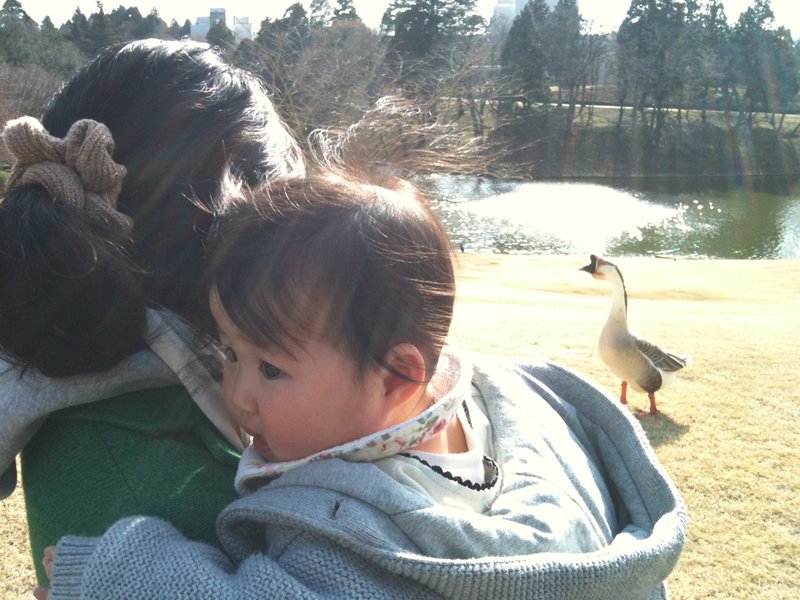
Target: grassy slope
728, 432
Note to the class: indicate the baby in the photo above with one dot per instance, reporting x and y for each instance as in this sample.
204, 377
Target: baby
333, 298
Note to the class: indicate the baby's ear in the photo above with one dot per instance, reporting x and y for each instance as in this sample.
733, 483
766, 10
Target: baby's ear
404, 374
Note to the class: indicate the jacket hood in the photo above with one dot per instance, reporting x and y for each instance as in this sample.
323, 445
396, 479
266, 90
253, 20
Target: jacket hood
577, 472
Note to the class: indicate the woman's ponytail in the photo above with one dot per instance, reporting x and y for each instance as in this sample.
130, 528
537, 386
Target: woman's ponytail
70, 297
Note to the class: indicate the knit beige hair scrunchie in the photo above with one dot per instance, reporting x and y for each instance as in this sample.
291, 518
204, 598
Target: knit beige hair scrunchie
78, 169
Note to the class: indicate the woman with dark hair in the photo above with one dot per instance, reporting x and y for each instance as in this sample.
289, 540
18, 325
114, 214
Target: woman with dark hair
104, 385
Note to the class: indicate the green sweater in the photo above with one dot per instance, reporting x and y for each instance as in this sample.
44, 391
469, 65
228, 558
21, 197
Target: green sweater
151, 452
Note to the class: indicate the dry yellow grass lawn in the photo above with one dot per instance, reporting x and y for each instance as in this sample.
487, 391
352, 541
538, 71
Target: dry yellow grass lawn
728, 432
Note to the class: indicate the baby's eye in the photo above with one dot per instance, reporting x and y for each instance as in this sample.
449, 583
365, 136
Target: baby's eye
230, 355
270, 371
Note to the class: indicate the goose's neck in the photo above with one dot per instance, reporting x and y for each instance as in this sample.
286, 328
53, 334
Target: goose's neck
619, 302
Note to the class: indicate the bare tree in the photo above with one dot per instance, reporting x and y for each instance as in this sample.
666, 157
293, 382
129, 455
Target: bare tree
339, 74
320, 77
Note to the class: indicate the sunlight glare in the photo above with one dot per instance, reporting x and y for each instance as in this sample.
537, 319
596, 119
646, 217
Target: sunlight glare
588, 220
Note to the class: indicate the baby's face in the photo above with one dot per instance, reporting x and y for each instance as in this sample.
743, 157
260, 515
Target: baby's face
294, 406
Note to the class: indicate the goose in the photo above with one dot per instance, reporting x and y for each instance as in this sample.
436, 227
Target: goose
643, 365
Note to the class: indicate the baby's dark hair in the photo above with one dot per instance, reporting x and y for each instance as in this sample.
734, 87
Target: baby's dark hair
365, 266
74, 288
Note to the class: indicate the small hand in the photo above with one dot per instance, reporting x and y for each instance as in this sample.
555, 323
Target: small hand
43, 593
47, 560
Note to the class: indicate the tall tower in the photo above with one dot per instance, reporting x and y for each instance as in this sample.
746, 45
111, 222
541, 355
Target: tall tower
511, 8
242, 28
216, 15
504, 13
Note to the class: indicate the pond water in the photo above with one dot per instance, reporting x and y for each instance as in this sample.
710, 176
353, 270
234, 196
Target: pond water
498, 216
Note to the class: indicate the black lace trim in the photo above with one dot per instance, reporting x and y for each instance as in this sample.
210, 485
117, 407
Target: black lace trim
476, 487
466, 414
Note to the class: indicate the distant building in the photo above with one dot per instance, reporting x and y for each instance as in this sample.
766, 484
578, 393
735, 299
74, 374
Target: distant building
200, 28
508, 9
241, 27
504, 13
504, 10
216, 15
502, 17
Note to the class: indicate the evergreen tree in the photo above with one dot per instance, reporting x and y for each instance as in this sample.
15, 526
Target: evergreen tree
428, 42
77, 28
563, 41
152, 26
47, 26
175, 30
764, 60
715, 53
279, 45
100, 32
219, 35
524, 54
650, 55
18, 34
345, 11
320, 13
749, 53
697, 59
178, 31
294, 17
286, 34
55, 53
12, 9
248, 56
572, 54
126, 22
420, 27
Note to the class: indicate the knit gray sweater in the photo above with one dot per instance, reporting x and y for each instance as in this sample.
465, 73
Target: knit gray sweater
573, 466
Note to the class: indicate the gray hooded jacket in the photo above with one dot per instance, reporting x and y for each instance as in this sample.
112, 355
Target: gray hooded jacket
573, 465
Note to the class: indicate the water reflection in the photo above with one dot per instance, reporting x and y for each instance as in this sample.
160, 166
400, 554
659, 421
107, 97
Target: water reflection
577, 218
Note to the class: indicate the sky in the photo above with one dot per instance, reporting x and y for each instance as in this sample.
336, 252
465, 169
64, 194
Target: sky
605, 15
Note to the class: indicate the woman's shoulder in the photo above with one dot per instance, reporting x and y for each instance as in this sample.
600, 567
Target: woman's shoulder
148, 452
27, 397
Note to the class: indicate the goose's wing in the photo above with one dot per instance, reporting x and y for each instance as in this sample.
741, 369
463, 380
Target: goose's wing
666, 361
